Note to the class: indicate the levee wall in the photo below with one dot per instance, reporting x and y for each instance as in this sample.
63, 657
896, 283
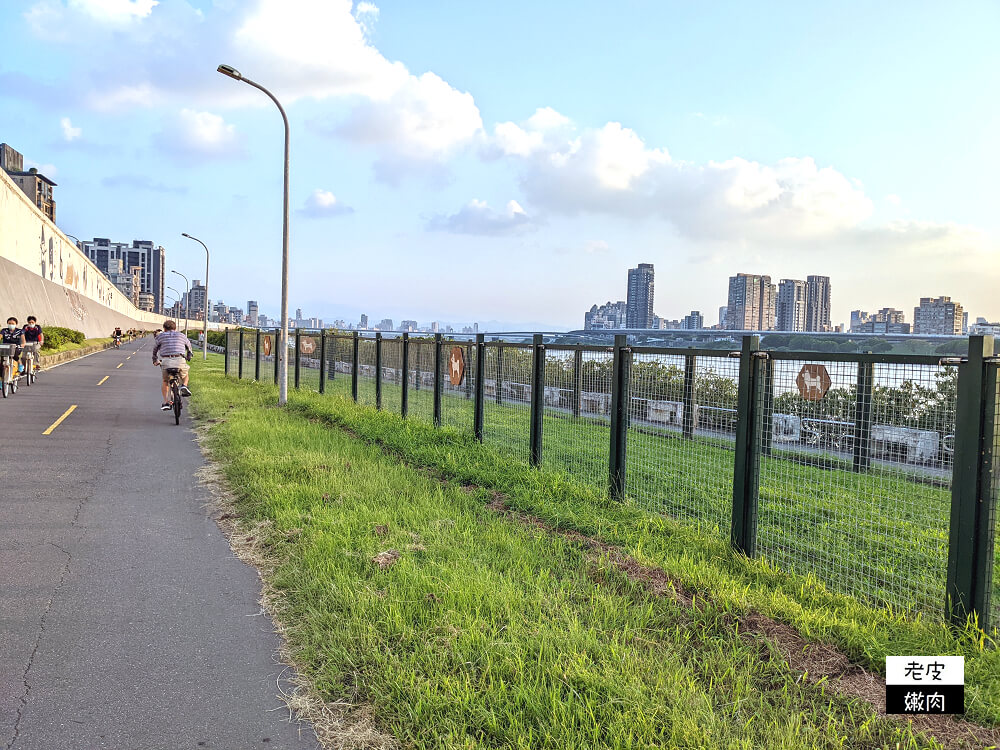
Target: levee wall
43, 273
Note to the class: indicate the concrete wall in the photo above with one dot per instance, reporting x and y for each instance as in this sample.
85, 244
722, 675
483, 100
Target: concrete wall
43, 273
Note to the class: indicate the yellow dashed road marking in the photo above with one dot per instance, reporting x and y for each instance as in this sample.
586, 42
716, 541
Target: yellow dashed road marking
103, 379
60, 420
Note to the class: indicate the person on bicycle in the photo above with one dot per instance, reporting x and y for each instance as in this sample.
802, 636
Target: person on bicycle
172, 351
117, 336
33, 340
13, 335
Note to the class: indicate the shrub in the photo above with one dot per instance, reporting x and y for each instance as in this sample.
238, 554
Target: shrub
56, 336
215, 338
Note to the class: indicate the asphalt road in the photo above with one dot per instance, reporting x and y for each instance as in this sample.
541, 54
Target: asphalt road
125, 620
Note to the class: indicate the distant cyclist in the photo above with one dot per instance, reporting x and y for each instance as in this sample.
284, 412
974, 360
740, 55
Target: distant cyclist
117, 337
33, 340
172, 351
13, 335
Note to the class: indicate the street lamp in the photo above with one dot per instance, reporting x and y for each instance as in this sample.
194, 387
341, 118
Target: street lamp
187, 299
228, 70
204, 346
78, 243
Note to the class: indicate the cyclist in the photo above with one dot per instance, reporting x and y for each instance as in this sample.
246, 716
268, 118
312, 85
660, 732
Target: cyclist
117, 336
172, 350
33, 340
13, 335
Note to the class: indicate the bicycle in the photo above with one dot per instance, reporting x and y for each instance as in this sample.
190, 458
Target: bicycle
118, 342
30, 366
9, 375
174, 382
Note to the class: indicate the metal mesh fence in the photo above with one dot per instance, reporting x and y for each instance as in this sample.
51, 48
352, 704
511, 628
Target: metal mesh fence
995, 478
858, 496
309, 353
392, 374
680, 444
507, 405
420, 394
249, 354
577, 419
366, 371
232, 352
339, 356
268, 351
458, 362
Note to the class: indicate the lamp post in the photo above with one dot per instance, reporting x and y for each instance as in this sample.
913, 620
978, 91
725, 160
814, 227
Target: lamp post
77, 239
178, 300
204, 345
187, 299
228, 70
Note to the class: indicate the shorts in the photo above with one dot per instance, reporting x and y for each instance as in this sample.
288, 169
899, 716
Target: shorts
173, 363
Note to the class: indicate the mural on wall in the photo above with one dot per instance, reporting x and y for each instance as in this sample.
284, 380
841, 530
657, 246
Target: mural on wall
71, 277
76, 305
41, 250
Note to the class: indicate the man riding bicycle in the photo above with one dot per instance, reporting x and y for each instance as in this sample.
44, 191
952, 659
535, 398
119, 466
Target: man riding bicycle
172, 351
33, 340
117, 336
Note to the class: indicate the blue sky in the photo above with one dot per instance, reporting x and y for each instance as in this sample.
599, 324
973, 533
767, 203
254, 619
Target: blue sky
509, 162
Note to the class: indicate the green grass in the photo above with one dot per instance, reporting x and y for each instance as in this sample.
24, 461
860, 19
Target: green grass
70, 346
487, 633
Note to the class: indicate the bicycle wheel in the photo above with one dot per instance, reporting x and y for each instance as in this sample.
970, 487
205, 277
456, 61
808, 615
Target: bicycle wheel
177, 402
27, 373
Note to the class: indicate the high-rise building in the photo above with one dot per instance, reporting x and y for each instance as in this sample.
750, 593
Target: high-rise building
938, 316
639, 302
751, 303
197, 301
790, 309
408, 325
363, 325
693, 322
722, 316
609, 316
142, 253
35, 185
385, 324
818, 303
253, 313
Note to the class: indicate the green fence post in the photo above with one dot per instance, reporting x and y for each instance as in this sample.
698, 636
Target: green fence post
468, 380
577, 380
378, 370
766, 422
404, 396
355, 363
274, 353
746, 474
256, 358
688, 407
226, 363
537, 398
322, 361
298, 348
621, 369
438, 383
970, 544
477, 414
240, 365
863, 417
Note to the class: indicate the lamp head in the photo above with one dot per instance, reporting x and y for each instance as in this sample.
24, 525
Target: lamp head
185, 234
229, 70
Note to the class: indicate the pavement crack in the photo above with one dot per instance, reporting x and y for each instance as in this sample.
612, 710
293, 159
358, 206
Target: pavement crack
26, 677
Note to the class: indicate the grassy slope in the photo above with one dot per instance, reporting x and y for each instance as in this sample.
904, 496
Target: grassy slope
70, 346
487, 633
705, 562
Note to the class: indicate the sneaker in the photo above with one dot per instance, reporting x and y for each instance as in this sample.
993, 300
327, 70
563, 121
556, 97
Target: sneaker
166, 406
184, 390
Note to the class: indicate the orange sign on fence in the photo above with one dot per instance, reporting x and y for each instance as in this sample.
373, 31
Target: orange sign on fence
308, 345
267, 346
456, 366
813, 381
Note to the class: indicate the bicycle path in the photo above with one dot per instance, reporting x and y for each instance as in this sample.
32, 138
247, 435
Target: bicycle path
125, 619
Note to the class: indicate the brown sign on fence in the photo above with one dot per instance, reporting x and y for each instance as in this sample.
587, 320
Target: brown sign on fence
266, 345
307, 345
456, 366
813, 381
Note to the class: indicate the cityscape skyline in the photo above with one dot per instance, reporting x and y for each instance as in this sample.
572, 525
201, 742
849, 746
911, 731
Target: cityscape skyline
478, 179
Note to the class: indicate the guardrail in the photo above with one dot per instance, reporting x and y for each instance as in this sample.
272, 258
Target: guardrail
873, 473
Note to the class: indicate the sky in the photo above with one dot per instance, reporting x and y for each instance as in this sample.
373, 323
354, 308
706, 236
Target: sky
508, 162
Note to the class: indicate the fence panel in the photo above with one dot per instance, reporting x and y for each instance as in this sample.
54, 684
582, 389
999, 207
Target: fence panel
232, 352
507, 408
420, 395
577, 415
995, 486
249, 354
680, 446
457, 401
309, 364
366, 371
876, 530
392, 374
268, 350
339, 350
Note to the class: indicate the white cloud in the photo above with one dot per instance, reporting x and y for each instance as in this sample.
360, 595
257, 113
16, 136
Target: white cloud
322, 204
70, 133
893, 199
367, 14
194, 136
476, 217
115, 11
